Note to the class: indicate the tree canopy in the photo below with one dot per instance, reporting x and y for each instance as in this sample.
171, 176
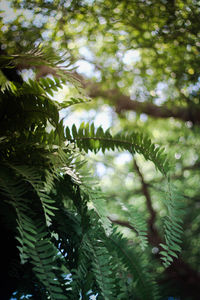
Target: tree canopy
119, 236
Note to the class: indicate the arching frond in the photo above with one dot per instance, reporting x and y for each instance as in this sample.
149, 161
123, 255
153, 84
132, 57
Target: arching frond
88, 138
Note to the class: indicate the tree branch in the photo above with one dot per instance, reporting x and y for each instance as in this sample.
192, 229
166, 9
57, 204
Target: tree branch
124, 103
147, 196
122, 223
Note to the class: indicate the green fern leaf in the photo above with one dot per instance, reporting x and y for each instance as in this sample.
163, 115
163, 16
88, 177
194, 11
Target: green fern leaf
135, 142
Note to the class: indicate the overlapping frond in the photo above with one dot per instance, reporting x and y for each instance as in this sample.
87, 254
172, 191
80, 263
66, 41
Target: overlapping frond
137, 221
88, 138
96, 200
34, 242
101, 266
144, 286
58, 233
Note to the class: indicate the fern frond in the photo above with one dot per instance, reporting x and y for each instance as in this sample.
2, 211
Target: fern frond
43, 257
136, 219
97, 202
31, 175
172, 225
143, 283
87, 138
59, 67
14, 193
80, 99
4, 82
101, 266
47, 87
35, 57
35, 244
82, 277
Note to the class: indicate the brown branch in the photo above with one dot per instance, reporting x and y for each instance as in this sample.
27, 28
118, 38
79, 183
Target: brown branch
147, 196
122, 223
124, 103
154, 237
